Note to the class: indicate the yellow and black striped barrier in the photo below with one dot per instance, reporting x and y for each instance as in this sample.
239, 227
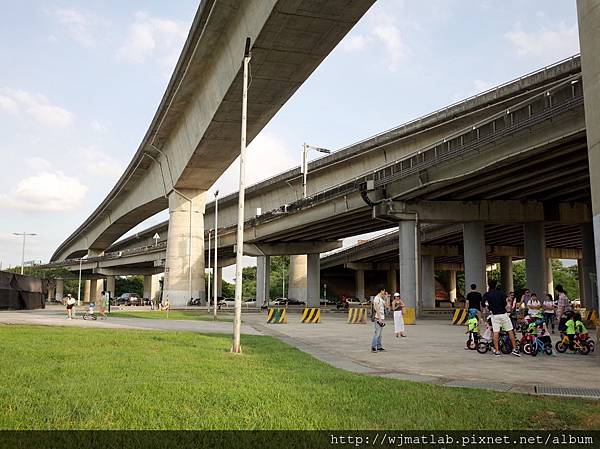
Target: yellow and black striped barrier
589, 315
460, 317
311, 315
357, 316
277, 316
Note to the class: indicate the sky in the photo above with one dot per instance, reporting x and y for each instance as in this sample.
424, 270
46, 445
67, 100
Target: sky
81, 81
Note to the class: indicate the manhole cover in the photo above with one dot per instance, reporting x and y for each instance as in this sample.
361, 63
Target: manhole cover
593, 393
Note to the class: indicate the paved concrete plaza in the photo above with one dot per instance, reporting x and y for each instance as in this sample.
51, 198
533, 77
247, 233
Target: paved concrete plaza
433, 351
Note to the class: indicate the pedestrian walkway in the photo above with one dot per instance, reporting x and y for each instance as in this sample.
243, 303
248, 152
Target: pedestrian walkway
55, 317
434, 353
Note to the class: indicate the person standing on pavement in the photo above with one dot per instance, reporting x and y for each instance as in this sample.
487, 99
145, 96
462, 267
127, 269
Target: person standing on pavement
378, 317
473, 300
495, 301
397, 306
69, 301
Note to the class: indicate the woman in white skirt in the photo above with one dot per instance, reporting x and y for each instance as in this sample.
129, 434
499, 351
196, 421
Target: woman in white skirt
397, 306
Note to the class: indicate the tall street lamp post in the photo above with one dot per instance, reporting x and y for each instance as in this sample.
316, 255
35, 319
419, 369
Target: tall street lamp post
24, 235
237, 319
215, 291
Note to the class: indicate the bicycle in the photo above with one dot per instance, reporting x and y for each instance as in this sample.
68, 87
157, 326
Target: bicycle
536, 345
503, 342
580, 346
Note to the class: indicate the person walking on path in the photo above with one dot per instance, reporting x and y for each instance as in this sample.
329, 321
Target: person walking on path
70, 302
104, 300
397, 306
495, 300
549, 311
563, 304
378, 320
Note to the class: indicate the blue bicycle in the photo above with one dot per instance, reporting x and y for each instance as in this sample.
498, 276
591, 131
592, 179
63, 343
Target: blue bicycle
536, 346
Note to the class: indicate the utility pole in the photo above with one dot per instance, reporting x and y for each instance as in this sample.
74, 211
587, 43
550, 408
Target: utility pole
237, 319
24, 235
305, 148
209, 273
215, 290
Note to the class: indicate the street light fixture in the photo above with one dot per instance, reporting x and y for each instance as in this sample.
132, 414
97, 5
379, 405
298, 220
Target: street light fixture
79, 285
24, 235
208, 290
304, 168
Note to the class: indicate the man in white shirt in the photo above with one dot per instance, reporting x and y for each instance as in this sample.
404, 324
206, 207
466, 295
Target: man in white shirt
378, 318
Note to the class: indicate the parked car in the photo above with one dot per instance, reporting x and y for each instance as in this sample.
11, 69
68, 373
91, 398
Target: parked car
128, 299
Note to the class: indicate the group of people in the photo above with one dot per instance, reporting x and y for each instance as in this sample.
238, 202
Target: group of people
70, 302
502, 312
381, 305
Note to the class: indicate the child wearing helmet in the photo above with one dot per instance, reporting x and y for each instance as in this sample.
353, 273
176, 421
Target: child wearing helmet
473, 330
580, 327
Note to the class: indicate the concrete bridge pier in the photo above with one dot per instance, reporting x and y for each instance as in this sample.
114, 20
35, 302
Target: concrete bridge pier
452, 285
427, 282
60, 289
184, 265
297, 277
588, 14
219, 282
506, 274
86, 284
359, 280
110, 285
587, 267
392, 281
51, 294
313, 280
409, 272
95, 290
536, 264
151, 286
475, 257
549, 279
263, 280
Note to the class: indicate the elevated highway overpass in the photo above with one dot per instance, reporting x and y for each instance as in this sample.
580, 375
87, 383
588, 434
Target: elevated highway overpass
194, 135
503, 157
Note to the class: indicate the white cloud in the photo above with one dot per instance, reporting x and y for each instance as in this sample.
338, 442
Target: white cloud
99, 163
17, 102
552, 44
98, 126
383, 30
38, 164
355, 43
45, 191
153, 37
78, 25
267, 156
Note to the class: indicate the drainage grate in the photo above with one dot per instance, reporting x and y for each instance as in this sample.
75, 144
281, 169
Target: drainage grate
592, 393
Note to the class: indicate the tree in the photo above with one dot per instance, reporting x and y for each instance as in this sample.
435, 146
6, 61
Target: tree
129, 284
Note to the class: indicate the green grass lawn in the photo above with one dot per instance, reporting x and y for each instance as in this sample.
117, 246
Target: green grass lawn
173, 315
71, 378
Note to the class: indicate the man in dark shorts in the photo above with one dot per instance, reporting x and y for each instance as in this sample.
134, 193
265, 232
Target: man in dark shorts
473, 299
495, 301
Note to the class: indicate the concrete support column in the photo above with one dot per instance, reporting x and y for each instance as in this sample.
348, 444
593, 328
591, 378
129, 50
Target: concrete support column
219, 282
60, 290
549, 278
151, 287
427, 282
588, 267
474, 255
95, 290
506, 274
535, 254
184, 265
87, 290
313, 280
409, 280
110, 286
452, 284
588, 14
392, 281
51, 294
359, 282
297, 281
263, 280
